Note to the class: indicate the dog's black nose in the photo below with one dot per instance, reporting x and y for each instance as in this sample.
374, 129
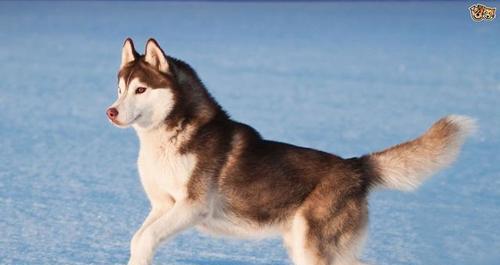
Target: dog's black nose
112, 113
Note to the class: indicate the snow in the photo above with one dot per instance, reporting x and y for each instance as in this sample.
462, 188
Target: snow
347, 78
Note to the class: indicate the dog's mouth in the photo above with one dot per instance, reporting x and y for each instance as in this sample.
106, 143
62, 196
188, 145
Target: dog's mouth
124, 125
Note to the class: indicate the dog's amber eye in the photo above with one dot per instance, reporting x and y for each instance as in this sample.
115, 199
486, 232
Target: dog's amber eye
140, 90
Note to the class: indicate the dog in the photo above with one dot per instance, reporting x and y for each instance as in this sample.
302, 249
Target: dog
476, 12
489, 13
199, 168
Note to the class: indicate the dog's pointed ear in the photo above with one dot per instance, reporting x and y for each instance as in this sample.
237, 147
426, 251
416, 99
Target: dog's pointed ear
128, 52
155, 56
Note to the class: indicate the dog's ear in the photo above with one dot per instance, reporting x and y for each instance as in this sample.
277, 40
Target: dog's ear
128, 52
155, 56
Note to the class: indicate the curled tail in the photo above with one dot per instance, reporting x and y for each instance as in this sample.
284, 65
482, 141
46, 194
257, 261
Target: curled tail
406, 165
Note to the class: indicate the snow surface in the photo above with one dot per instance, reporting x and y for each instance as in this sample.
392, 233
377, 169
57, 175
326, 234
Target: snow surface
348, 78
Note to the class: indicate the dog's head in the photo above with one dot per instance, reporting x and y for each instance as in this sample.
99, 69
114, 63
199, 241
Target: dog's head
146, 88
489, 13
476, 12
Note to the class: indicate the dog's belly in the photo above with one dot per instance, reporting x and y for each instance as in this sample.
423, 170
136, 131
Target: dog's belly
224, 225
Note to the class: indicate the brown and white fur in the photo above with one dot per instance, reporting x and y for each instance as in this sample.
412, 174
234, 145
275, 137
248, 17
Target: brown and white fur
201, 169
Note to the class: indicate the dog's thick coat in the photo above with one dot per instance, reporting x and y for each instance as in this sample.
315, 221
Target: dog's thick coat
201, 169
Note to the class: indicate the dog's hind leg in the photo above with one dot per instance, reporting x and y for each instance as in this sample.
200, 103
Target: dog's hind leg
302, 249
328, 229
349, 239
348, 253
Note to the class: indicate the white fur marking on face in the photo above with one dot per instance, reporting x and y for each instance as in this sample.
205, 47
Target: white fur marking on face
144, 111
121, 86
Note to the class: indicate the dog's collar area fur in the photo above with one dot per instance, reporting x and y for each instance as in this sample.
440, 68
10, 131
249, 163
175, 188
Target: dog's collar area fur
177, 130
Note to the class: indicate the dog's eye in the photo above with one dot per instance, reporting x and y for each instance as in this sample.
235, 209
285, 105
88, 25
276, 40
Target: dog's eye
140, 90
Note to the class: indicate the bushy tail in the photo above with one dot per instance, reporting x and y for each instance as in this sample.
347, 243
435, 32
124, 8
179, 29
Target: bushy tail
405, 166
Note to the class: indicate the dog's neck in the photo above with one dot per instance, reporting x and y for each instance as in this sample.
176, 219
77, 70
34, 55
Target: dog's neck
195, 104
163, 136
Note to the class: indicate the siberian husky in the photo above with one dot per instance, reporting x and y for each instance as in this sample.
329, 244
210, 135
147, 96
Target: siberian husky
199, 168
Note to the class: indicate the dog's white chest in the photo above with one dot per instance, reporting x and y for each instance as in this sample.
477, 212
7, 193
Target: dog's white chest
163, 171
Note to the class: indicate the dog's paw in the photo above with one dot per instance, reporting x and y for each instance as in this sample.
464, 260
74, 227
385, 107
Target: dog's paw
137, 262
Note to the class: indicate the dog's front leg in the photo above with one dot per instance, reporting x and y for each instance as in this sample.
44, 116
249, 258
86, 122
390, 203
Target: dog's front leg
182, 215
157, 210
